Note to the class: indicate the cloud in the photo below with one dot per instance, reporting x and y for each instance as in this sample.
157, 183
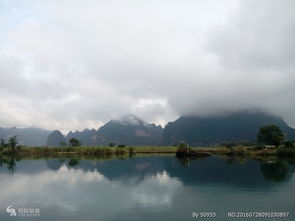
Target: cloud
70, 65
58, 191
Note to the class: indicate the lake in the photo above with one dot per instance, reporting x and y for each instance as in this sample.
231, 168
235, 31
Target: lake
146, 188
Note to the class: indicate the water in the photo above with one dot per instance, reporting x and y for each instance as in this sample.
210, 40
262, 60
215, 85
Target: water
146, 188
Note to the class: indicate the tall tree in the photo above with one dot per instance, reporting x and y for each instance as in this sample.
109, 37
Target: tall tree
2, 143
12, 142
270, 134
74, 142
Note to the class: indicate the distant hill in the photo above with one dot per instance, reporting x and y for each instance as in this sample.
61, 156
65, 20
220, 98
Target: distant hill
130, 130
26, 136
55, 138
86, 137
238, 127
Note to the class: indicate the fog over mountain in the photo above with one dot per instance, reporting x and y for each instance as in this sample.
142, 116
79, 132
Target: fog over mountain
71, 65
127, 130
240, 127
26, 136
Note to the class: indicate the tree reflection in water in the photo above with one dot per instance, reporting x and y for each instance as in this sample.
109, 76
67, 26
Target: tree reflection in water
9, 162
276, 172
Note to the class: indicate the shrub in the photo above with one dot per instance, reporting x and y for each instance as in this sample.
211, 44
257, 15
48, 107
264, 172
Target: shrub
183, 149
239, 150
131, 150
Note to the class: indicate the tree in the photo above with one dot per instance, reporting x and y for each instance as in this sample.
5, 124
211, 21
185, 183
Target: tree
74, 142
73, 162
2, 143
274, 171
183, 149
271, 135
12, 142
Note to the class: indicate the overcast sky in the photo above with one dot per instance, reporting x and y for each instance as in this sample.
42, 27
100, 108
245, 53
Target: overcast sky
73, 64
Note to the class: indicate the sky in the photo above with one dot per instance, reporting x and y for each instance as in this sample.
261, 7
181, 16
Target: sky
70, 64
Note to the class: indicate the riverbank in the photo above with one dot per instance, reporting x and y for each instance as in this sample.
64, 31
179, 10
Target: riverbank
236, 151
121, 151
86, 151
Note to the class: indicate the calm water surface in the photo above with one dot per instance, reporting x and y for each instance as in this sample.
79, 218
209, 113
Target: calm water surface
146, 188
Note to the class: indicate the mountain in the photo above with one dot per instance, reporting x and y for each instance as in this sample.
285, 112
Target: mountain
129, 130
86, 137
237, 127
3, 133
55, 138
26, 136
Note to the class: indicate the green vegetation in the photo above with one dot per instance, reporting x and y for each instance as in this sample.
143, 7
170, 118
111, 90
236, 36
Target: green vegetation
73, 162
276, 172
183, 151
74, 142
271, 135
3, 144
11, 143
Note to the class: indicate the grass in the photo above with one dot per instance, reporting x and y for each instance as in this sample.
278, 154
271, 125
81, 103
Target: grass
244, 151
122, 151
61, 151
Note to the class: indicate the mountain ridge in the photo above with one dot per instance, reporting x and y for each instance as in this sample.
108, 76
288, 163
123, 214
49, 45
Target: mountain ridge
29, 136
131, 130
237, 127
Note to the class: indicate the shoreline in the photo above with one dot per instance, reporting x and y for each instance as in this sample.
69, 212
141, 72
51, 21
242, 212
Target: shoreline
146, 150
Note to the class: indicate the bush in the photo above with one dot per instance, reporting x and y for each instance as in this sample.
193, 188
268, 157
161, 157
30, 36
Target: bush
131, 150
183, 149
239, 150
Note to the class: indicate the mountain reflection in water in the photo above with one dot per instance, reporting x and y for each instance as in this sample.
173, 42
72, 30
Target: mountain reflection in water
145, 188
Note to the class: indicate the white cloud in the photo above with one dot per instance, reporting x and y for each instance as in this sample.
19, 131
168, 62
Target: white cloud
70, 65
57, 190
